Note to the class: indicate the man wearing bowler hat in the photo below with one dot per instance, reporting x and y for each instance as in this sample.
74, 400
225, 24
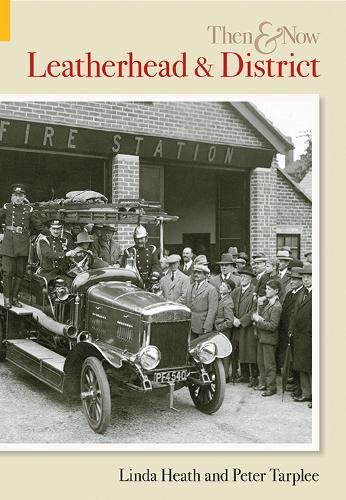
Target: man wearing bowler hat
174, 284
227, 268
203, 300
301, 329
243, 339
19, 219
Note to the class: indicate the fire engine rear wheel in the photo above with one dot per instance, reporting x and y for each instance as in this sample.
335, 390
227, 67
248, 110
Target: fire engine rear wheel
95, 395
2, 337
209, 398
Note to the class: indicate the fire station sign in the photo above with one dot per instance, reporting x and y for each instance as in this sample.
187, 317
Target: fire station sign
60, 138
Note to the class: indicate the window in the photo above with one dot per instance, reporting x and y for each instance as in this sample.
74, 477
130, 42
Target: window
289, 240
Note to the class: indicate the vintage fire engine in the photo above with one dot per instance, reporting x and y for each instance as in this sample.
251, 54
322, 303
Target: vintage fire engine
106, 330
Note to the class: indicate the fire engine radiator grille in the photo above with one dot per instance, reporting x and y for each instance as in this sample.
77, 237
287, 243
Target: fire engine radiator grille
172, 340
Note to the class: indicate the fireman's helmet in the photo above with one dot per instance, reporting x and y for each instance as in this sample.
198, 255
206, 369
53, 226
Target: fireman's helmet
140, 232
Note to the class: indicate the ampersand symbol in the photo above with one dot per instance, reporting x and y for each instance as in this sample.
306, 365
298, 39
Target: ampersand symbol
203, 69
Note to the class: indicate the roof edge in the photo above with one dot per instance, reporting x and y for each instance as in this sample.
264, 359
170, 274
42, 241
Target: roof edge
294, 184
260, 122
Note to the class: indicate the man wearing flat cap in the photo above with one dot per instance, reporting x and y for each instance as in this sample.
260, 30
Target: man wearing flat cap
174, 284
301, 329
203, 300
19, 219
227, 268
284, 259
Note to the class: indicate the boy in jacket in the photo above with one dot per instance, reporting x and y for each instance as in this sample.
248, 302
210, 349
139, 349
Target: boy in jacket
267, 322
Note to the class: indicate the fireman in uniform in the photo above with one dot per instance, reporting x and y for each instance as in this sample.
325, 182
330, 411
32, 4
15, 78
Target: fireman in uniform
52, 252
19, 219
143, 256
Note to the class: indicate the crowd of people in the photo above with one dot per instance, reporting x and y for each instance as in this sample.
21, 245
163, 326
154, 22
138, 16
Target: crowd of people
264, 306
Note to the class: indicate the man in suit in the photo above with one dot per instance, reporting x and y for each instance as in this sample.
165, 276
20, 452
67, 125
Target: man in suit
174, 284
259, 266
227, 268
19, 220
224, 317
187, 265
243, 339
104, 245
284, 259
286, 317
301, 328
202, 298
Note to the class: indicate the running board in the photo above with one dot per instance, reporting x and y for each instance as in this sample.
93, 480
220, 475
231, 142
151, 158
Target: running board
19, 311
42, 363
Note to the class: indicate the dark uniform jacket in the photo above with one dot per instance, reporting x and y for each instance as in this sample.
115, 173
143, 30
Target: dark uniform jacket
20, 219
52, 255
301, 328
203, 303
146, 261
267, 328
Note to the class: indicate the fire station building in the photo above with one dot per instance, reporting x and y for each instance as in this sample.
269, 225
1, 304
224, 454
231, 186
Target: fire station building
210, 163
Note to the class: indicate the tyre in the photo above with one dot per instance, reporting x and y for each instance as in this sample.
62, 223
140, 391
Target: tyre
95, 395
2, 339
209, 398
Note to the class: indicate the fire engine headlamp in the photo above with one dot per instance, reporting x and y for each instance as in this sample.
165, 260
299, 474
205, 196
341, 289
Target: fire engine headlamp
206, 353
149, 357
62, 293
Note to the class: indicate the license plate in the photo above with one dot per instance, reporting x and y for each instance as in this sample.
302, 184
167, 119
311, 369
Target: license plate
171, 376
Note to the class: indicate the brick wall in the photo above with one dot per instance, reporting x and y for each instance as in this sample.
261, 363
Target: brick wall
263, 210
277, 207
294, 213
216, 122
125, 184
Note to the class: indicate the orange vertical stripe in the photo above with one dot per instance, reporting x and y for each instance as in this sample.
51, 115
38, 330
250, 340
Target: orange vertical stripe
4, 20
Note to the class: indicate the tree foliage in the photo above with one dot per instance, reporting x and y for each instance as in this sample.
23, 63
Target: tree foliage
298, 169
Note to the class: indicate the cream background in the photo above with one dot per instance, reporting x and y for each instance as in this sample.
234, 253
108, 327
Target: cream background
162, 29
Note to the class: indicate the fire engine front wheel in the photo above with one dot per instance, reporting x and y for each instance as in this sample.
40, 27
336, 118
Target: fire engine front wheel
209, 398
95, 395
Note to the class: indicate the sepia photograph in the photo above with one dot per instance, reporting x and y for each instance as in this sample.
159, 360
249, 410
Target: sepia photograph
157, 286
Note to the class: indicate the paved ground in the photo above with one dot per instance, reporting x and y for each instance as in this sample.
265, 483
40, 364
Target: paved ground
33, 413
